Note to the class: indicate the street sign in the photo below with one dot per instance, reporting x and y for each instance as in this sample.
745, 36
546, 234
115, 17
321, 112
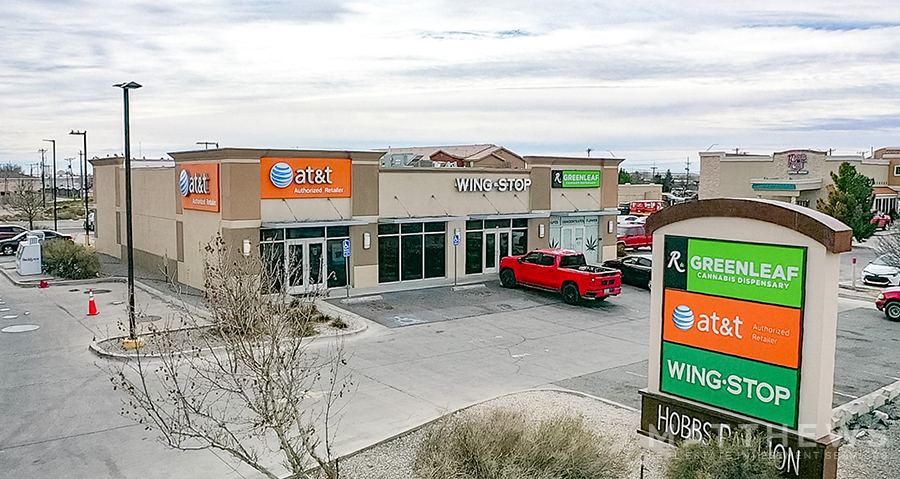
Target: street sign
456, 239
346, 246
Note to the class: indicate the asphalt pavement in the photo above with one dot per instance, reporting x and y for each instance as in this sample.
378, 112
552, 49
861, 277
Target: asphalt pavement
424, 354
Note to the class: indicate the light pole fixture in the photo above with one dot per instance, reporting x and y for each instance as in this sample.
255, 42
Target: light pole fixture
132, 342
84, 188
55, 227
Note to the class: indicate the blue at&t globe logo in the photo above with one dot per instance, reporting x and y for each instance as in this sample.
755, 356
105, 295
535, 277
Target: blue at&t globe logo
184, 183
281, 175
683, 318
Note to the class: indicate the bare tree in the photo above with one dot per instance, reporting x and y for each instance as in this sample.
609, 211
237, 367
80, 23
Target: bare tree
888, 246
25, 201
250, 384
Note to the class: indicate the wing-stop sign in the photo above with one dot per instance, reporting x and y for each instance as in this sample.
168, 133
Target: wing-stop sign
743, 322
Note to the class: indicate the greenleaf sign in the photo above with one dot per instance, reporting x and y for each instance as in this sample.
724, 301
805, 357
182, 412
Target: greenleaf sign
732, 325
575, 179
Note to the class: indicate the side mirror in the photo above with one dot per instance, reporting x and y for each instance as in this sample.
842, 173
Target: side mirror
521, 260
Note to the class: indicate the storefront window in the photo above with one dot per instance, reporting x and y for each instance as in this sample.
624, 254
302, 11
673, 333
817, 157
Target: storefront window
272, 255
388, 258
297, 233
473, 252
411, 251
337, 266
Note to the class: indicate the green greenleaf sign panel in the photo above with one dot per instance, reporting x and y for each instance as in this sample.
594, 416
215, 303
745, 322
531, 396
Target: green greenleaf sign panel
755, 389
575, 179
764, 273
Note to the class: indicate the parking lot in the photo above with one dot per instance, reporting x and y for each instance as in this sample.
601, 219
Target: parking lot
866, 356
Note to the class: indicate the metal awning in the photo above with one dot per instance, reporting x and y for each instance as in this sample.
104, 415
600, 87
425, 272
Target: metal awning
511, 216
420, 219
313, 223
604, 212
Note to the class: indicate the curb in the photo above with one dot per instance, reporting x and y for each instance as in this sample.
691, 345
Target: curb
852, 410
360, 323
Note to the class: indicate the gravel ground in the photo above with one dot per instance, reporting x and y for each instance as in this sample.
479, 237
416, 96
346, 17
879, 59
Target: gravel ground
870, 453
393, 459
875, 454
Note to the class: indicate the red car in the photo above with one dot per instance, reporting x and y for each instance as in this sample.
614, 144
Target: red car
632, 236
881, 221
889, 302
565, 271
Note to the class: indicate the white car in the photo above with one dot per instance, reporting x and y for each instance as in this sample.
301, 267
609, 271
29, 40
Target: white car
880, 273
626, 219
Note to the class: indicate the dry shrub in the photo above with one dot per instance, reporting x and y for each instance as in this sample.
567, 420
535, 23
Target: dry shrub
505, 444
741, 456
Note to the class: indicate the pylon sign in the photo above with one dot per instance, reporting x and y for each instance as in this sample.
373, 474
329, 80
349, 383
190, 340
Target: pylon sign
732, 323
743, 320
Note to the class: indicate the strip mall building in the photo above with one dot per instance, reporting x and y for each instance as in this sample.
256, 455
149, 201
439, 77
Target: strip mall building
401, 213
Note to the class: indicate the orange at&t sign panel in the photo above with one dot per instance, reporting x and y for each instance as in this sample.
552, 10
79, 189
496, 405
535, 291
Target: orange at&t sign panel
199, 186
304, 178
762, 332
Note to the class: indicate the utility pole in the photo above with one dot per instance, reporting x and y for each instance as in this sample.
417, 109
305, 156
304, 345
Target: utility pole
687, 173
69, 178
84, 188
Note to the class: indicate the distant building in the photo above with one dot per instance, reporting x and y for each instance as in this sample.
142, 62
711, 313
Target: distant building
796, 176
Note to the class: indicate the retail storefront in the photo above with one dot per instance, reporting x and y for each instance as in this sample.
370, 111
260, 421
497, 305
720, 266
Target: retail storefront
796, 176
329, 219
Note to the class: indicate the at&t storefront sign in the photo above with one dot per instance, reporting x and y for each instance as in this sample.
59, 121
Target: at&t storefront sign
305, 178
199, 186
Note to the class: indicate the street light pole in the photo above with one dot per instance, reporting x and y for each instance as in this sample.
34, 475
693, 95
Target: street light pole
84, 188
55, 227
43, 176
132, 342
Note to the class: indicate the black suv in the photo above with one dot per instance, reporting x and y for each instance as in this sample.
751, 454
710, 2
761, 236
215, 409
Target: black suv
8, 231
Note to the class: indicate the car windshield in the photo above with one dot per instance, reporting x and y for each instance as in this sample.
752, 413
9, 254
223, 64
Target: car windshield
883, 260
572, 261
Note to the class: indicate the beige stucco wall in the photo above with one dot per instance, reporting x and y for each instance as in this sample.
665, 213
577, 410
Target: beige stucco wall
404, 193
630, 192
819, 315
200, 227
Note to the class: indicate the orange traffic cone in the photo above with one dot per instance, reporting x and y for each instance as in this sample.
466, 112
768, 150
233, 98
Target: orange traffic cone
92, 306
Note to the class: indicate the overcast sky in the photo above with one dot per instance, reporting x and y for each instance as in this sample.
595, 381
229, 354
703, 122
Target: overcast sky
652, 82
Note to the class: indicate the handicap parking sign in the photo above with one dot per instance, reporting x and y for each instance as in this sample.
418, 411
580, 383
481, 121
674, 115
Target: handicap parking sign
346, 246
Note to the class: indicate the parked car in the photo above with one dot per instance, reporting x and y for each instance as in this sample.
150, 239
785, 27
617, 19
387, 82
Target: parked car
881, 221
880, 272
624, 219
564, 271
9, 246
8, 231
632, 236
635, 268
889, 302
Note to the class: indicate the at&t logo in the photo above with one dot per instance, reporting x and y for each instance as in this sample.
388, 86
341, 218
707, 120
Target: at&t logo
281, 175
683, 317
193, 184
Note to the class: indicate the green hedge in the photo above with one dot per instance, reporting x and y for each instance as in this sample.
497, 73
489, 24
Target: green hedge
69, 260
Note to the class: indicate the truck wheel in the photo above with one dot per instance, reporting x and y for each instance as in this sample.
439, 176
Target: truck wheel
570, 293
508, 278
620, 249
892, 311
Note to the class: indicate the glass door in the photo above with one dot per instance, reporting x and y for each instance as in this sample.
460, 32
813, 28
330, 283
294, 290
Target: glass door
305, 264
490, 252
496, 246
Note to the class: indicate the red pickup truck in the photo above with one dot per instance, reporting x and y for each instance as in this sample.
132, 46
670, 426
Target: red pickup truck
632, 236
560, 270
